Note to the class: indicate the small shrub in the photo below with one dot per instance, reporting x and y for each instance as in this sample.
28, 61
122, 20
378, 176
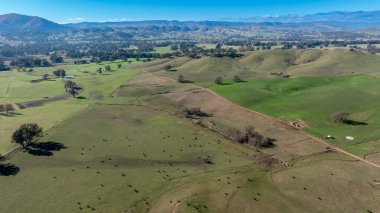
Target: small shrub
168, 67
219, 80
340, 117
195, 111
237, 78
181, 79
252, 137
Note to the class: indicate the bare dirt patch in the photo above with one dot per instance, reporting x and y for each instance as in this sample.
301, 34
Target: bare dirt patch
298, 124
375, 158
37, 103
96, 95
151, 80
290, 141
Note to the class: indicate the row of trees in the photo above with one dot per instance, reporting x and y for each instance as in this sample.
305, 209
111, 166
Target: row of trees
251, 137
219, 79
194, 111
3, 67
30, 62
106, 68
56, 59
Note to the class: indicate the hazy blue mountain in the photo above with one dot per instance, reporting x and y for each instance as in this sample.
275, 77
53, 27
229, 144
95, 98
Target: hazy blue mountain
16, 22
321, 21
352, 17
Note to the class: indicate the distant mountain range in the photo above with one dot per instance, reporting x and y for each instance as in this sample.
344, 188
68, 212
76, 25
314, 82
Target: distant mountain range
351, 17
320, 21
16, 22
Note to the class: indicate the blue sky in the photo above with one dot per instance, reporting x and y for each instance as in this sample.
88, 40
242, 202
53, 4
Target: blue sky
64, 11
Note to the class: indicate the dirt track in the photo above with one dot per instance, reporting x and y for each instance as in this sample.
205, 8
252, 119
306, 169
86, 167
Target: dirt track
272, 120
37, 103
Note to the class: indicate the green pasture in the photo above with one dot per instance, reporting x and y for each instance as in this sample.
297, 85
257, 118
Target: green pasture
123, 147
116, 158
142, 157
16, 87
314, 100
163, 50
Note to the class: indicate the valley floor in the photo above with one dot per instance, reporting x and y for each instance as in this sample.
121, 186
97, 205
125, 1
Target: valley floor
131, 150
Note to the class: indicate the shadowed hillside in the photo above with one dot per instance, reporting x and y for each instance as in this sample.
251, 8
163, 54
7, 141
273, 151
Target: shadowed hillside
261, 63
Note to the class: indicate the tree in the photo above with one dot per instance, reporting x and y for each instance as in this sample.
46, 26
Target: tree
194, 111
73, 92
27, 134
252, 137
167, 67
108, 68
237, 78
60, 73
181, 79
45, 77
340, 117
219, 80
372, 49
3, 67
174, 47
287, 46
100, 70
6, 108
55, 58
70, 85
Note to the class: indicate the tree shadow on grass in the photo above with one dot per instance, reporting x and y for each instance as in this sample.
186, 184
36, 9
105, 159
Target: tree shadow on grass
270, 143
10, 114
8, 169
355, 123
45, 148
226, 84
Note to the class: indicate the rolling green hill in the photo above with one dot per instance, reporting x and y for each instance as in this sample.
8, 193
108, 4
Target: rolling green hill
260, 64
322, 82
314, 100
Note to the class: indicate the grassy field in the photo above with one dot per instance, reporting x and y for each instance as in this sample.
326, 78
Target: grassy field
46, 116
163, 50
259, 64
138, 142
140, 156
314, 100
322, 82
125, 147
16, 87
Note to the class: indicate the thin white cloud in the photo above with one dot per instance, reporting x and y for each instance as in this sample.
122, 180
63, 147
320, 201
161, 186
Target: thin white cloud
74, 20
122, 19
